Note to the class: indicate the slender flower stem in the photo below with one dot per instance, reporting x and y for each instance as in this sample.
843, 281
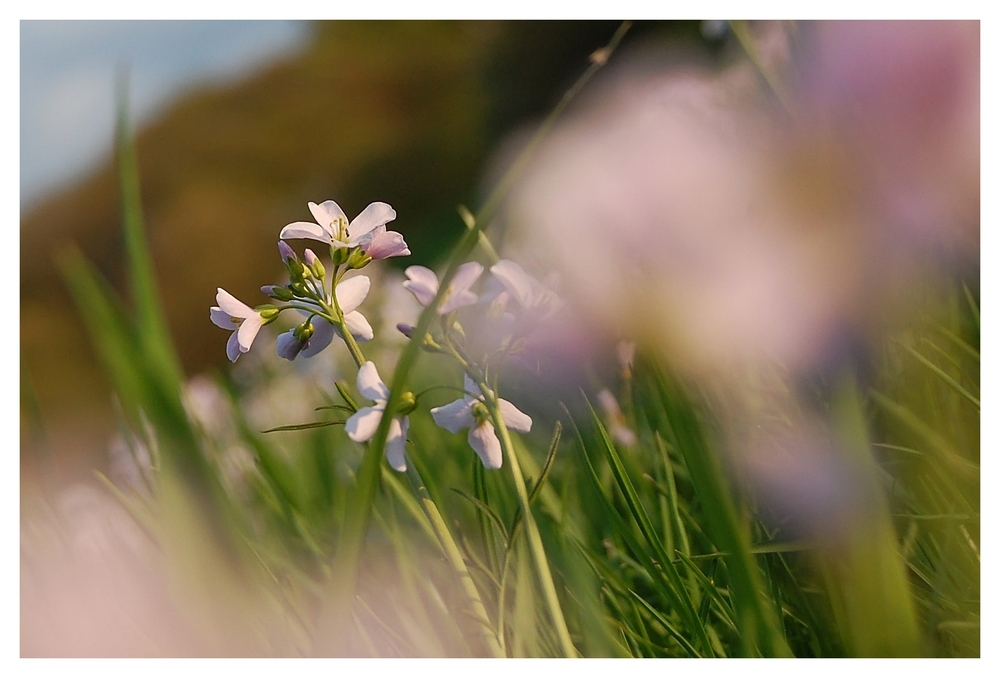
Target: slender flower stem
454, 556
352, 345
534, 538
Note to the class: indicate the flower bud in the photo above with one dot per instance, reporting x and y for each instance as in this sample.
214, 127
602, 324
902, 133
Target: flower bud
286, 252
304, 331
406, 329
315, 264
277, 292
407, 403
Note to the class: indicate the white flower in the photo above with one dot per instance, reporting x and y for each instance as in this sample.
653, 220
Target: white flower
469, 412
233, 314
366, 231
350, 294
423, 283
363, 423
527, 291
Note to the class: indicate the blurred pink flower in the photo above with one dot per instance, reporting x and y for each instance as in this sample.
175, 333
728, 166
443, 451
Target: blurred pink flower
423, 283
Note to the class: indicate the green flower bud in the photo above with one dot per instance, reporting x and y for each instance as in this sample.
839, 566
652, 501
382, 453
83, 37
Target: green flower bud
304, 331
407, 403
282, 293
318, 269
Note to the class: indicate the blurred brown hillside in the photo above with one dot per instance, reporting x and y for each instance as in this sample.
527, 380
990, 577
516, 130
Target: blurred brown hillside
404, 112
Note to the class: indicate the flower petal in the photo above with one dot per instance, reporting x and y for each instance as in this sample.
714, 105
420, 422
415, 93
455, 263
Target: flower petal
359, 326
222, 319
376, 214
520, 285
351, 292
326, 213
395, 443
471, 387
456, 301
466, 275
248, 331
233, 347
386, 244
370, 384
515, 419
422, 282
323, 333
483, 440
288, 346
454, 416
232, 305
305, 229
362, 424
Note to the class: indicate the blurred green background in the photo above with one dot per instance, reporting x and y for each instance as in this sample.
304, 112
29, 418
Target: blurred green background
407, 112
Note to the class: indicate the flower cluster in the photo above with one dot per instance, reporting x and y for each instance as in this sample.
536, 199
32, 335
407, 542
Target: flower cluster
327, 298
330, 306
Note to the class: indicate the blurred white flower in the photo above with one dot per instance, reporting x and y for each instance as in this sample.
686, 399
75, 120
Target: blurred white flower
423, 283
361, 426
233, 314
470, 412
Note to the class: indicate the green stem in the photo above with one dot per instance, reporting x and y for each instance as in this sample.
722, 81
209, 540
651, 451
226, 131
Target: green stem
352, 345
534, 538
457, 562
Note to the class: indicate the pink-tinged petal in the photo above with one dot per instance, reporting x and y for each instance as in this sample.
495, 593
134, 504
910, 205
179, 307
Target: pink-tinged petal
233, 347
305, 229
231, 305
323, 333
395, 443
362, 424
326, 213
288, 346
458, 300
422, 282
483, 440
385, 245
375, 215
454, 416
359, 326
370, 384
310, 257
520, 285
466, 275
515, 419
285, 250
222, 319
351, 292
